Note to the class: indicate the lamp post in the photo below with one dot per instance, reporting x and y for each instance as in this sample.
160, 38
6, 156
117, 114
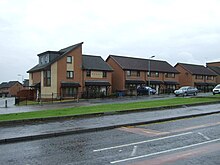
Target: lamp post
149, 73
22, 78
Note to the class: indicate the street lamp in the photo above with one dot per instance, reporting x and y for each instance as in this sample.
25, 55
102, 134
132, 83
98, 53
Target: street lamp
149, 73
22, 78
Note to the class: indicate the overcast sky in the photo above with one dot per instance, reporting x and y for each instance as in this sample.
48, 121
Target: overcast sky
172, 30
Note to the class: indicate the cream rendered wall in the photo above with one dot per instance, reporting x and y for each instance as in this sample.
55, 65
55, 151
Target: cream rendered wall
46, 92
31, 82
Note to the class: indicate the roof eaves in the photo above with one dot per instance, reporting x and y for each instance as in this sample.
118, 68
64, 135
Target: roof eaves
101, 65
39, 68
66, 52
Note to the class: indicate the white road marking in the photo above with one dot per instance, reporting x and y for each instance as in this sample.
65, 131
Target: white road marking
134, 151
141, 142
166, 151
204, 136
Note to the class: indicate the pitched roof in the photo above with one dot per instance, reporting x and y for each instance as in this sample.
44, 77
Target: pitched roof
60, 53
216, 69
197, 69
91, 62
8, 84
130, 63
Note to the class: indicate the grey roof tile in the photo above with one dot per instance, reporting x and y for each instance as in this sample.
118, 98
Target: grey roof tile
8, 84
197, 69
216, 69
130, 63
62, 53
91, 62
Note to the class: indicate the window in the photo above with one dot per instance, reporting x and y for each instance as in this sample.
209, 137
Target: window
69, 59
70, 92
46, 59
41, 60
133, 73
128, 73
199, 77
170, 75
69, 74
104, 74
209, 77
153, 74
88, 73
47, 78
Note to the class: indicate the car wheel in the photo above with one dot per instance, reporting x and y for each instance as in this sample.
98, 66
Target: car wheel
195, 93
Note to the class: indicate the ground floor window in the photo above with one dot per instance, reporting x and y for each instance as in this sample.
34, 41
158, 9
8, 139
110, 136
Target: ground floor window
132, 88
69, 92
205, 88
96, 91
170, 88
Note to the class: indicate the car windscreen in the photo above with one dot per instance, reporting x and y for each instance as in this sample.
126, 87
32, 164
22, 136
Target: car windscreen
183, 88
217, 87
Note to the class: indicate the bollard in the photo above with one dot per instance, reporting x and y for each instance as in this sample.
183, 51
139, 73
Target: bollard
6, 104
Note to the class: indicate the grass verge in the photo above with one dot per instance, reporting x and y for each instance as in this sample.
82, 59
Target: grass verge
104, 108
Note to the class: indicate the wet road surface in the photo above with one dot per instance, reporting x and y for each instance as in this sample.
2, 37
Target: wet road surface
188, 141
32, 129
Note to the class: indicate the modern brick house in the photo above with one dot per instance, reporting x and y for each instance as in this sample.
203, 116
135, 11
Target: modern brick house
215, 66
68, 73
129, 73
196, 75
10, 88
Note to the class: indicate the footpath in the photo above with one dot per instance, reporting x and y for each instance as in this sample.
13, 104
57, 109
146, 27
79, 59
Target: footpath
10, 133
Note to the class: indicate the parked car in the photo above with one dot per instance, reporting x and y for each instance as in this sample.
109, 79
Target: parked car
216, 90
144, 90
186, 90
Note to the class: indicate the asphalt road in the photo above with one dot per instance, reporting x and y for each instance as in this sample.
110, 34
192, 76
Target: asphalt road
188, 141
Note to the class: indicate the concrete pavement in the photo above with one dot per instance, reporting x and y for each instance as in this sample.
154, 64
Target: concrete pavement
42, 129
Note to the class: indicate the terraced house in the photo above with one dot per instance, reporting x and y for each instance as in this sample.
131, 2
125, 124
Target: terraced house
215, 67
129, 73
196, 75
10, 88
69, 73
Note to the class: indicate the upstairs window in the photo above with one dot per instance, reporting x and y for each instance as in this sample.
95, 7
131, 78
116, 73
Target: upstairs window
69, 59
47, 78
199, 77
209, 77
153, 74
133, 73
104, 74
88, 73
69, 74
128, 73
170, 75
44, 59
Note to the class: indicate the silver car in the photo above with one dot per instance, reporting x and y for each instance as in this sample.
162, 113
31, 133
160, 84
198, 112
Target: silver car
186, 90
